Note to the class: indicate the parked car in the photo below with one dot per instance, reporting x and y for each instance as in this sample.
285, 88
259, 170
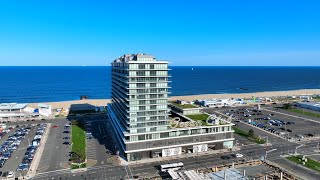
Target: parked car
310, 135
10, 174
239, 155
66, 143
225, 157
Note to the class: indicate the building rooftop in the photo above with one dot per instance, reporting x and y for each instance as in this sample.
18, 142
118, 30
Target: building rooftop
317, 104
12, 106
135, 57
230, 173
184, 106
44, 105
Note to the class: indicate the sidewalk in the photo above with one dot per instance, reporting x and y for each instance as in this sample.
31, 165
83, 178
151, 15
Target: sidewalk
35, 163
123, 162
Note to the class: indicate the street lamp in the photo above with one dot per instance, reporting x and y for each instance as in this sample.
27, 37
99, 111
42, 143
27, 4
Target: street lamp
265, 158
295, 151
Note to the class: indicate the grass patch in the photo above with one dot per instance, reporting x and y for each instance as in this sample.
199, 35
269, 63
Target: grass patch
77, 166
246, 135
199, 117
311, 164
78, 149
184, 106
307, 113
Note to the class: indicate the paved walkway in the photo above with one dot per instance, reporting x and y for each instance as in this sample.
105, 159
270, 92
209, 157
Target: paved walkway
37, 157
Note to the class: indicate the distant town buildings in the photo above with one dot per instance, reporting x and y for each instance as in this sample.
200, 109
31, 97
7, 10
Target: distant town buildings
140, 114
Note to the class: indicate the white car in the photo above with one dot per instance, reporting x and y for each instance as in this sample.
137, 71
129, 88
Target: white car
239, 155
10, 174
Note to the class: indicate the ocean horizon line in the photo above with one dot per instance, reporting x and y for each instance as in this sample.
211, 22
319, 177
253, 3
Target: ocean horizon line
169, 66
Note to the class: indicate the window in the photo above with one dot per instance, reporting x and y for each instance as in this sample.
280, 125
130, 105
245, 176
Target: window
141, 137
142, 66
141, 130
141, 108
164, 135
153, 73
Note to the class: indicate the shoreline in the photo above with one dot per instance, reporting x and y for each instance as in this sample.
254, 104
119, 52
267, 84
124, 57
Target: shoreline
245, 95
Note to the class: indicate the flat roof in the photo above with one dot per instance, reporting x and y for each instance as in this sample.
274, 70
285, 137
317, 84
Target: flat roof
2, 115
317, 104
44, 105
12, 106
230, 173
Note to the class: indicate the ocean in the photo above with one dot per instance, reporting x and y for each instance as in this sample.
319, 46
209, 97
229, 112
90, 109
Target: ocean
46, 84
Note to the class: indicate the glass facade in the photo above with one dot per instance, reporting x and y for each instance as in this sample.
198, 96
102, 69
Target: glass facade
140, 94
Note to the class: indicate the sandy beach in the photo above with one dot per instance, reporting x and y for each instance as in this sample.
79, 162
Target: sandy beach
103, 102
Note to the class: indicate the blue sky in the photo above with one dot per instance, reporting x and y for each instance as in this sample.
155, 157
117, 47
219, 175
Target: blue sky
202, 32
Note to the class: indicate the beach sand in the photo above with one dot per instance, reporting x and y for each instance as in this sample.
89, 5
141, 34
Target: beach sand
103, 102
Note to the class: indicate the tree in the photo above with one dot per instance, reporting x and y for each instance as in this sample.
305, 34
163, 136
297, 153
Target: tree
74, 122
287, 106
251, 133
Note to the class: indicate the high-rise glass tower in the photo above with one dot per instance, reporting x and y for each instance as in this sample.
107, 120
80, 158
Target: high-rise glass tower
139, 97
139, 113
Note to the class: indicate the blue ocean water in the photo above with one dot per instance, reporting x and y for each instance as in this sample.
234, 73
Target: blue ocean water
44, 84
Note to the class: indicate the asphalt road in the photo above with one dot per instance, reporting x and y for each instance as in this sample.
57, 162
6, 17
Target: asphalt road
249, 152
116, 172
298, 170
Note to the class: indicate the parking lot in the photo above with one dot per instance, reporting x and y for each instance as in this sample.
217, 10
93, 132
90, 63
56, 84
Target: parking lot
55, 155
99, 147
18, 148
58, 146
278, 123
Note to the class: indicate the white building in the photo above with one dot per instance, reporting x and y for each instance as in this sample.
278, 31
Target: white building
45, 110
220, 102
15, 111
12, 107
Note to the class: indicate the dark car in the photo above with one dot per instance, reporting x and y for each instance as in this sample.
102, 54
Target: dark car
66, 143
225, 157
310, 135
5, 174
66, 137
289, 130
66, 131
